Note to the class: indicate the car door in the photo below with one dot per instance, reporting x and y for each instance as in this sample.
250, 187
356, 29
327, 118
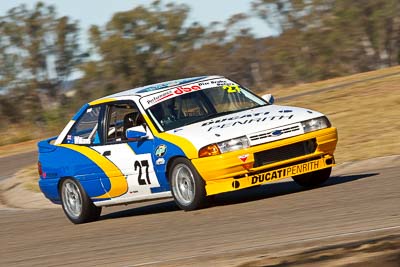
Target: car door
132, 158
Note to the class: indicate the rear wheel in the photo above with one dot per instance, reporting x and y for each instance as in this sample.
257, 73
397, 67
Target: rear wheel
313, 179
76, 204
188, 188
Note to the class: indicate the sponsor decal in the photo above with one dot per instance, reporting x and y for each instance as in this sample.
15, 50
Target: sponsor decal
215, 83
243, 158
246, 119
169, 84
180, 90
160, 161
173, 92
160, 97
70, 139
49, 174
285, 172
231, 88
161, 150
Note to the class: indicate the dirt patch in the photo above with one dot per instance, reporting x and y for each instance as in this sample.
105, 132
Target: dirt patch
13, 149
22, 191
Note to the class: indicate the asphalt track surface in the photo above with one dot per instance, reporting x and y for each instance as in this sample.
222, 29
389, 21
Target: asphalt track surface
11, 164
243, 226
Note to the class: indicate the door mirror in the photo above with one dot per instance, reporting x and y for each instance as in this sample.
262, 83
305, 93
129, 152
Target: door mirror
269, 98
136, 133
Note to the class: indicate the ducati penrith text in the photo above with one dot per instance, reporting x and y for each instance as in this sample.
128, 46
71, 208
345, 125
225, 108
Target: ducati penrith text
270, 176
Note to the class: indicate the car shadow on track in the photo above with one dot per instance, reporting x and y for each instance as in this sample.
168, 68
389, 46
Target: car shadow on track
280, 189
236, 197
167, 206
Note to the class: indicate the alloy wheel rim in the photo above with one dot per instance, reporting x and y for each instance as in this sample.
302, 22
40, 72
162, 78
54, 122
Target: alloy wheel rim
72, 199
183, 184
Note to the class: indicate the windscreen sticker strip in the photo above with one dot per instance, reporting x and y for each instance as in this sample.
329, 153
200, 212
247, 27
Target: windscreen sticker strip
156, 98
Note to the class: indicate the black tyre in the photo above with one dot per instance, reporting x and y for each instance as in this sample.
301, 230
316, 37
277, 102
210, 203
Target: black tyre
76, 204
187, 186
313, 179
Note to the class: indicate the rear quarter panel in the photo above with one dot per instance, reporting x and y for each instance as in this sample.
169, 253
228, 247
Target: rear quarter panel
59, 162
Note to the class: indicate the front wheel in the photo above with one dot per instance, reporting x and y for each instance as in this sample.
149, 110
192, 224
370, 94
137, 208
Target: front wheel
76, 204
313, 179
187, 186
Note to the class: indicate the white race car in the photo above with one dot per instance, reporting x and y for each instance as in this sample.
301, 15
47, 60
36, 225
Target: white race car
191, 138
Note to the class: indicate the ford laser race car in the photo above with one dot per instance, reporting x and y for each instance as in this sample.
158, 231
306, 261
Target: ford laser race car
190, 138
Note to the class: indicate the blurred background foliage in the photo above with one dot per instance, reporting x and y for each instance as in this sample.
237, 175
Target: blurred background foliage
45, 74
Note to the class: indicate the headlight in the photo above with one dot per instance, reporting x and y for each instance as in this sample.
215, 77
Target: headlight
315, 124
224, 146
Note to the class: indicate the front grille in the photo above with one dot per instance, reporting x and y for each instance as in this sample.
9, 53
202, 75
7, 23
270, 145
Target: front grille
273, 133
285, 152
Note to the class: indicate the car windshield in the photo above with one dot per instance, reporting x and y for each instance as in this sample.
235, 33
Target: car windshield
201, 105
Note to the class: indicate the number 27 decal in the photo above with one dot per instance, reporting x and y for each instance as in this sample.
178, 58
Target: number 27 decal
140, 165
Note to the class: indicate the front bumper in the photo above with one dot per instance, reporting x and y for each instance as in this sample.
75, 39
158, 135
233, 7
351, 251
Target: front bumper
235, 170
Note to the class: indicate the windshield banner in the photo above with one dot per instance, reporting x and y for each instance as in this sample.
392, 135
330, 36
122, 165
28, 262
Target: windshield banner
163, 95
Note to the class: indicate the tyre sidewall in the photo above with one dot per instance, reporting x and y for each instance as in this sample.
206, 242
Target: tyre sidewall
199, 200
89, 211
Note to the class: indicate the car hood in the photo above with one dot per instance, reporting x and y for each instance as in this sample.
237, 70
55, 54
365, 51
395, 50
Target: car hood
271, 122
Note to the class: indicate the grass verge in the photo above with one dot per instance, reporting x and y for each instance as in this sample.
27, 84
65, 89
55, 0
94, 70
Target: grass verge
365, 113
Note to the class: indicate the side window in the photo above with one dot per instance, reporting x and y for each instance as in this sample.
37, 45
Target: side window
121, 116
86, 129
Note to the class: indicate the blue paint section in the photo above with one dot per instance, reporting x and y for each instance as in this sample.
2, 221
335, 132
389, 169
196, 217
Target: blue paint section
164, 85
49, 189
58, 162
161, 170
64, 162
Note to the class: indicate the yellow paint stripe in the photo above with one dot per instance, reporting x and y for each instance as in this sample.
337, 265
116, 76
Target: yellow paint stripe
101, 101
183, 143
119, 185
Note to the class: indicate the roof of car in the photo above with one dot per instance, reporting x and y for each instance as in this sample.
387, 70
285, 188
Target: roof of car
149, 89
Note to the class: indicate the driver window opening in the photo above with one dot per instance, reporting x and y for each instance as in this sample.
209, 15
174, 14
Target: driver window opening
121, 117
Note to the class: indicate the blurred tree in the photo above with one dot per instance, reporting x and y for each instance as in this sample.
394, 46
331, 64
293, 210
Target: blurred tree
326, 38
38, 52
141, 46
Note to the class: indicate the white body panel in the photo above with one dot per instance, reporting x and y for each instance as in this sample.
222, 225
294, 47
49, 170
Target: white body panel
251, 123
134, 169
